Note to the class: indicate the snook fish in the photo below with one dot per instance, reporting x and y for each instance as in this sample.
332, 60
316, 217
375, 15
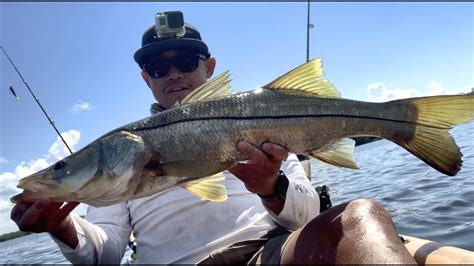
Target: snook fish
192, 142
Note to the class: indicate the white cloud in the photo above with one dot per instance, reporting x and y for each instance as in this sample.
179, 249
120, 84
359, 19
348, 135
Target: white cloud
5, 206
25, 169
378, 92
80, 106
6, 224
437, 88
9, 180
58, 150
3, 160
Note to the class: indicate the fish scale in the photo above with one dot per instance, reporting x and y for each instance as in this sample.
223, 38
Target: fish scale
265, 116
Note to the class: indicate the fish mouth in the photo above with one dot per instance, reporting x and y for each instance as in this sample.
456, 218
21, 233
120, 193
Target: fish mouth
34, 189
38, 183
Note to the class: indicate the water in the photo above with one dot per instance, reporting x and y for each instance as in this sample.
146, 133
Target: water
37, 249
421, 201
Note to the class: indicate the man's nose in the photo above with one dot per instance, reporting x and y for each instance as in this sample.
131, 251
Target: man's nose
174, 74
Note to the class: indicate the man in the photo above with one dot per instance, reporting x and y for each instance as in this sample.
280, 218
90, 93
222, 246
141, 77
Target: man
271, 215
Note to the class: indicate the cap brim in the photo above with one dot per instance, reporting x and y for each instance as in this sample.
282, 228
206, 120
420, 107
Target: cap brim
154, 49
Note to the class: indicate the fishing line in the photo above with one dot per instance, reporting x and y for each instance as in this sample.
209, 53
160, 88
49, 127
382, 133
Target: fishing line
36, 99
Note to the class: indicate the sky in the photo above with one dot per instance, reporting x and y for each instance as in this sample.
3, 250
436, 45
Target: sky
78, 60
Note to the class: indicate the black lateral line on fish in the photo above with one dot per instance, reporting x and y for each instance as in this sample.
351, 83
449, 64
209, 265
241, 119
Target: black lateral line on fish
275, 117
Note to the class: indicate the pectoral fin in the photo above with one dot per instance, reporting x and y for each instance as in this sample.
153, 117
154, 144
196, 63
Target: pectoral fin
338, 154
207, 188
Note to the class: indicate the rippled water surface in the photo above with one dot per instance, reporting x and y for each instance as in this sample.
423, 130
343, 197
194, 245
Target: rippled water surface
36, 249
422, 202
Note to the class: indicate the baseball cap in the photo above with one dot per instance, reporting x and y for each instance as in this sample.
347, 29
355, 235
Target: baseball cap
152, 45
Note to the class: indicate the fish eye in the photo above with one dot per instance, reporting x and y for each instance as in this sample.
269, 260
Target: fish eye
59, 165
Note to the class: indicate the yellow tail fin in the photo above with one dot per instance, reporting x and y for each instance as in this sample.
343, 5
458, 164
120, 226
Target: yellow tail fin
435, 117
444, 111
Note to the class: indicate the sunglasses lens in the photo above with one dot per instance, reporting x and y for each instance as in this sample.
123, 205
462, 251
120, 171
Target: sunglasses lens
184, 62
158, 69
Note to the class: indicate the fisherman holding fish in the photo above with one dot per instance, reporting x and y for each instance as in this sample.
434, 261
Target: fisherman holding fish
269, 213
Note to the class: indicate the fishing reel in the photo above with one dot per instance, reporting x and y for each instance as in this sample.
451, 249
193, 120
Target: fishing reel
169, 24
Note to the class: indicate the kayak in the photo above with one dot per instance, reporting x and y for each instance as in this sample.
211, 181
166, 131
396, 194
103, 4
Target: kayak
425, 252
430, 252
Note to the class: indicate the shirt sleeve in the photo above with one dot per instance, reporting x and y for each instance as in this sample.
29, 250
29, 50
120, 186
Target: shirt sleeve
302, 200
103, 237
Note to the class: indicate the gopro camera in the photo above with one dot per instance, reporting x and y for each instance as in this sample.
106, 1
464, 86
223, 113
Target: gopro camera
169, 24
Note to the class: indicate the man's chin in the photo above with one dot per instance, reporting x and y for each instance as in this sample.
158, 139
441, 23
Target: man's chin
179, 95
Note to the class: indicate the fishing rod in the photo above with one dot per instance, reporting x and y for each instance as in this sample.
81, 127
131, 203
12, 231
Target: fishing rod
303, 158
308, 27
36, 99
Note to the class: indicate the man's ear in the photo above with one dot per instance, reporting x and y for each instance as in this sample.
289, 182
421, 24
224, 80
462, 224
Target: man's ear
146, 78
211, 65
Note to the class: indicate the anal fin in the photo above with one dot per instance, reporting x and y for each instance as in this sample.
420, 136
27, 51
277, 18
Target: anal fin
338, 154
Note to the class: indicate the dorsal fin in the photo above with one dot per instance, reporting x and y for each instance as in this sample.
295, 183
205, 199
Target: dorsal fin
214, 88
307, 77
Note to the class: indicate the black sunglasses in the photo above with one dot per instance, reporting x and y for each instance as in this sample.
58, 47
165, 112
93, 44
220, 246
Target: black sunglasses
185, 62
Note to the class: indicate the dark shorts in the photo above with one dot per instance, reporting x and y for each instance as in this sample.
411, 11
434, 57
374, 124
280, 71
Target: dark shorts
264, 250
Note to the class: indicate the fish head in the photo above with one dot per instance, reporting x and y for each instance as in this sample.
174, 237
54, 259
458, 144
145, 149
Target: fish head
100, 174
62, 178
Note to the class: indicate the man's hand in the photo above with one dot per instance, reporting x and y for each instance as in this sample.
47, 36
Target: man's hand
46, 216
260, 173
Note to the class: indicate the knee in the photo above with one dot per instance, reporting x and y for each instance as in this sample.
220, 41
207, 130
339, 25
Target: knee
353, 214
364, 205
355, 210
366, 209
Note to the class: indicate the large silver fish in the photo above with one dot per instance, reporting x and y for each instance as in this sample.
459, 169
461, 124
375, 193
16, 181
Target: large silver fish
197, 139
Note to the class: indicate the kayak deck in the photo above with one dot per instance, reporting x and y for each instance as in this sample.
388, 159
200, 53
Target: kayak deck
430, 252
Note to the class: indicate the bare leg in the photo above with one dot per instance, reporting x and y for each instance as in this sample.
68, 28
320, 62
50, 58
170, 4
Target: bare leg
360, 232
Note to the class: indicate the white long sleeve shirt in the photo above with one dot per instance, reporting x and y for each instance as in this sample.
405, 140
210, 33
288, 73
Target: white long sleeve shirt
175, 226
